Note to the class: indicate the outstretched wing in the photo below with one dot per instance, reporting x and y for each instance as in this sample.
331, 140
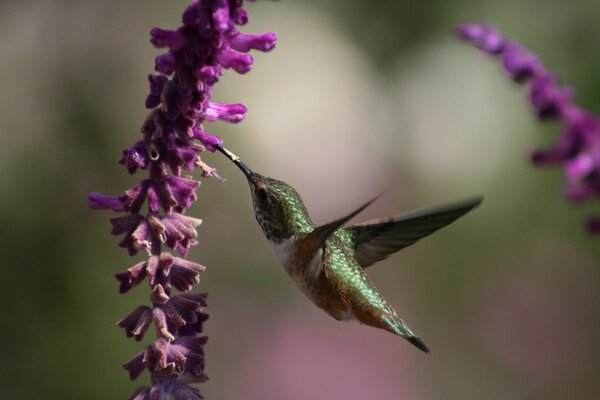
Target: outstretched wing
376, 239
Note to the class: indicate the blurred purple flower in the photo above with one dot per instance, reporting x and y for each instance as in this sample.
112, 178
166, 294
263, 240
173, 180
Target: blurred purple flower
577, 149
180, 102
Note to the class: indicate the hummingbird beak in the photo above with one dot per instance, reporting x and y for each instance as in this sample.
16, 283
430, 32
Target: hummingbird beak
236, 160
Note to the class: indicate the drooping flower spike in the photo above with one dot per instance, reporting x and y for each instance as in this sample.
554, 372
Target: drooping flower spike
577, 148
173, 136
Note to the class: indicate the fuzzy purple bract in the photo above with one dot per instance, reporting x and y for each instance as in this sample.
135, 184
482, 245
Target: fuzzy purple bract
153, 211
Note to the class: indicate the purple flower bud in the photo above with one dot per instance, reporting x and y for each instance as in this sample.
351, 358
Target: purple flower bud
135, 157
168, 360
136, 232
135, 366
180, 311
191, 13
226, 112
240, 16
100, 202
136, 196
241, 63
132, 277
520, 64
221, 19
143, 393
158, 296
579, 167
179, 155
175, 230
137, 322
184, 274
165, 63
174, 104
160, 38
547, 98
578, 192
545, 157
245, 42
181, 189
209, 74
157, 83
210, 141
486, 38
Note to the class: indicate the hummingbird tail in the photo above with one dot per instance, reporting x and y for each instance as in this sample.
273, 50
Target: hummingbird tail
418, 343
391, 323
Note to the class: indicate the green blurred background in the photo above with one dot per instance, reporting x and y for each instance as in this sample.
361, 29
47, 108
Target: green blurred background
359, 96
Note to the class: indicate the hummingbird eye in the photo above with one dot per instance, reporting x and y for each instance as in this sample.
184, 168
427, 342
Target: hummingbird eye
261, 193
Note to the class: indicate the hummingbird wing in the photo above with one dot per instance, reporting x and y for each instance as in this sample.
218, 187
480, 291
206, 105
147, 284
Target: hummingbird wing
321, 233
317, 238
376, 239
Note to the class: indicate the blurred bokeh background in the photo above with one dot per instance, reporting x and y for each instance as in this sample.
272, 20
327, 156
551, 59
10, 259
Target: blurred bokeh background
359, 96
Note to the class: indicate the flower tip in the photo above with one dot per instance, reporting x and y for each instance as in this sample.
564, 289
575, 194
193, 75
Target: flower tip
233, 113
160, 38
209, 141
97, 201
486, 37
468, 31
270, 41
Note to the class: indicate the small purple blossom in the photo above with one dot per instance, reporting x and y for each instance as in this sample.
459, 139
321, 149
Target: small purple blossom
173, 137
577, 148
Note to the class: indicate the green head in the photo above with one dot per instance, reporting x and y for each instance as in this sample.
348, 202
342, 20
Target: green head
278, 207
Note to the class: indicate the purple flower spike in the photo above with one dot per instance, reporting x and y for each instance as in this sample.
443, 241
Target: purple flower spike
520, 64
173, 137
577, 148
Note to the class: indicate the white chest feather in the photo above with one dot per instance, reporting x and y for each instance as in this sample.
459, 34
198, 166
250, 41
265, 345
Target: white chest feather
303, 275
284, 252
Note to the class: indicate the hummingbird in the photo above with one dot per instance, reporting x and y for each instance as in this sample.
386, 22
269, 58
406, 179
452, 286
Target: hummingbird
327, 263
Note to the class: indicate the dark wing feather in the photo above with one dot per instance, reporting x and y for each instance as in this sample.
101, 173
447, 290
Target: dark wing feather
376, 239
321, 233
